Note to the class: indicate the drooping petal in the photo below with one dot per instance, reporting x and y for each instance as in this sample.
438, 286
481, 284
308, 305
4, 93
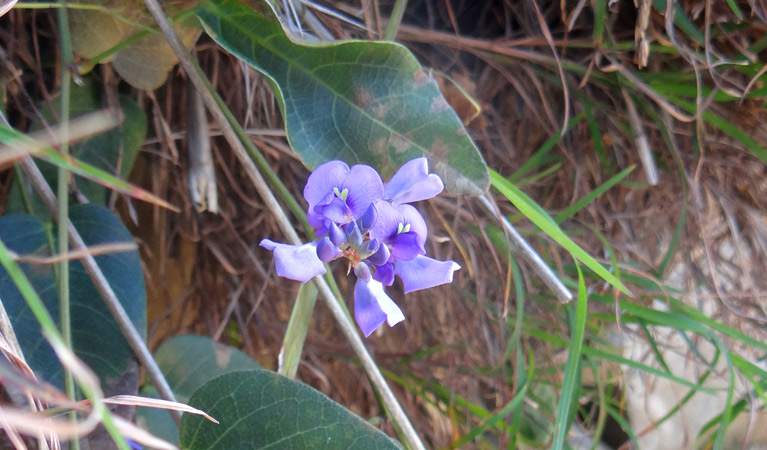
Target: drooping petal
423, 272
372, 307
296, 262
413, 183
390, 219
322, 181
364, 186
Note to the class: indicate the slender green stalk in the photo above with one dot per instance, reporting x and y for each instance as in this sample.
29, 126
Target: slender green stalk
395, 20
298, 326
62, 193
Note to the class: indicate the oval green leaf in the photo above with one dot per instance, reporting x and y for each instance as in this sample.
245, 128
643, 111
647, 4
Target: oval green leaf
95, 335
361, 102
259, 409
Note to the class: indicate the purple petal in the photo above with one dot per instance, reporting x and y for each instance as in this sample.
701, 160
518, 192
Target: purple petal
405, 246
365, 187
424, 272
322, 181
372, 307
296, 262
384, 274
390, 218
336, 211
413, 183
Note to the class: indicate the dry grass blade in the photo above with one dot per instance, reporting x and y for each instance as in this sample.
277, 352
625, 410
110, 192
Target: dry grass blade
93, 250
78, 129
133, 400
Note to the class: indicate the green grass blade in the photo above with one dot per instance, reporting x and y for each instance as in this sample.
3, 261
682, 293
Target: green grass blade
539, 156
577, 206
548, 226
572, 369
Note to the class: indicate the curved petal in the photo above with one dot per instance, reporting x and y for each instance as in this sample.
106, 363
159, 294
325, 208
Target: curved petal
390, 218
384, 274
423, 272
405, 246
296, 262
322, 181
365, 187
336, 211
413, 183
372, 307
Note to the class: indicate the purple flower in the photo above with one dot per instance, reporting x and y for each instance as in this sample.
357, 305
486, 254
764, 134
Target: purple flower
374, 228
338, 194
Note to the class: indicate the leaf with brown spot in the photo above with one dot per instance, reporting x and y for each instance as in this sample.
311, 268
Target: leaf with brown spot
341, 100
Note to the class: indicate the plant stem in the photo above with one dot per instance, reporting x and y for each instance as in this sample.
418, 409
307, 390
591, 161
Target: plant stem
62, 193
395, 20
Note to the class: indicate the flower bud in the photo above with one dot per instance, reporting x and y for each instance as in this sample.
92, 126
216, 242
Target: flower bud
381, 256
353, 234
326, 250
363, 272
337, 236
368, 248
368, 219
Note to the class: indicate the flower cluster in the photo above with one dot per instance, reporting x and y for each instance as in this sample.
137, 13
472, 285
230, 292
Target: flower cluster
374, 227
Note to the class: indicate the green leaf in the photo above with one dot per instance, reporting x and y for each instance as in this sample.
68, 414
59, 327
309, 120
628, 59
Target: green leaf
361, 102
95, 335
259, 409
535, 214
189, 361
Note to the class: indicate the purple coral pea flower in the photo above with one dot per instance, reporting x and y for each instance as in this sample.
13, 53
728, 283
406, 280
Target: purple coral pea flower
339, 194
357, 218
413, 183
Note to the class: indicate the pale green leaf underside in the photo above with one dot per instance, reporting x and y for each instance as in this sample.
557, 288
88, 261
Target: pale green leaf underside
361, 102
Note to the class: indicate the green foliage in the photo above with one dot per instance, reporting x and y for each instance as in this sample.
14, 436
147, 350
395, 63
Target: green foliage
361, 102
263, 410
188, 362
96, 337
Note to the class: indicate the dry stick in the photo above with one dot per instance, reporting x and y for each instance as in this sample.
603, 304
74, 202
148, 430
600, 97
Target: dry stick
390, 402
641, 142
522, 247
132, 335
